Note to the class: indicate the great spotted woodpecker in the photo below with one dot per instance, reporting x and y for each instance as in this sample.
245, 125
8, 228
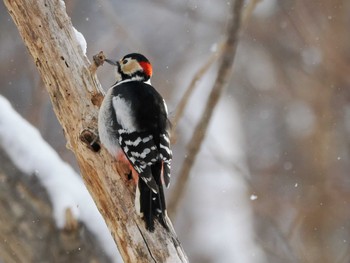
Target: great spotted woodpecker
133, 125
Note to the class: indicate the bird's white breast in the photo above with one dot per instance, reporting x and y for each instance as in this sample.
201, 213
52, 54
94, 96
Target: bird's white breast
105, 125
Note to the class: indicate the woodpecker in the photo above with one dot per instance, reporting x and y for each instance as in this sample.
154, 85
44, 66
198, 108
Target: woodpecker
133, 126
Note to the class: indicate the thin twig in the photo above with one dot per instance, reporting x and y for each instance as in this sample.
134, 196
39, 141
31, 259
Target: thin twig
224, 74
248, 10
186, 96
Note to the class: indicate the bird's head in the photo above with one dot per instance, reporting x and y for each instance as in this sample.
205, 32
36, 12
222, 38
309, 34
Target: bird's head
133, 66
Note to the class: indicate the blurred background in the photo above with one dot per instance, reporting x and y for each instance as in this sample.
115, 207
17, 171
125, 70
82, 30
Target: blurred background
271, 182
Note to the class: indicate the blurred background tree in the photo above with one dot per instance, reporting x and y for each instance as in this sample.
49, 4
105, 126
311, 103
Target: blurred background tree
271, 183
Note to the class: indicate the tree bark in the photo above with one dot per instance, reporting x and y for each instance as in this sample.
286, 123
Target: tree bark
76, 95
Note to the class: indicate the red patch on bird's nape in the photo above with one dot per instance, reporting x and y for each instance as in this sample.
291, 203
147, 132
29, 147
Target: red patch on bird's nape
147, 68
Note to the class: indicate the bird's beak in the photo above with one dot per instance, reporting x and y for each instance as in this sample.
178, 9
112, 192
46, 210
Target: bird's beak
112, 62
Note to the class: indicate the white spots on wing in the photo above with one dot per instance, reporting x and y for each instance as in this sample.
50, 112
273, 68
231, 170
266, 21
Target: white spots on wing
165, 148
133, 143
133, 160
147, 139
126, 149
124, 114
137, 141
137, 168
166, 138
147, 179
143, 154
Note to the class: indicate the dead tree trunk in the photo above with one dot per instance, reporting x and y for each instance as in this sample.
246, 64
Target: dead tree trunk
76, 94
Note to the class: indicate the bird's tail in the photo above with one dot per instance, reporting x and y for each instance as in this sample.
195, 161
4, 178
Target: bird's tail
152, 205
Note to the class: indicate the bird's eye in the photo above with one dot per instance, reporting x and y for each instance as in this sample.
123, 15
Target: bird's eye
125, 61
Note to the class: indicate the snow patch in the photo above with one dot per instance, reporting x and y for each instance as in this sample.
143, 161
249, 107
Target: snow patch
253, 197
32, 155
81, 40
63, 4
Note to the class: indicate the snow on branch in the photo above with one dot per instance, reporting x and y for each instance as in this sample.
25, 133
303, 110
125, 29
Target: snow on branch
33, 155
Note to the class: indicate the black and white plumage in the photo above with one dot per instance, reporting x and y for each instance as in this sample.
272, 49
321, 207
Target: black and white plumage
133, 119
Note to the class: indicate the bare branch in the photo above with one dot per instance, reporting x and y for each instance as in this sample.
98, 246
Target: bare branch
75, 94
186, 96
248, 10
224, 74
